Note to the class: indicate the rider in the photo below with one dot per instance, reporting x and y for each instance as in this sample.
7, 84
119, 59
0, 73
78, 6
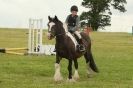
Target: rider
73, 24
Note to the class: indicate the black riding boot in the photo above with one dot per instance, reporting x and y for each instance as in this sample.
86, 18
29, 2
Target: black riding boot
81, 46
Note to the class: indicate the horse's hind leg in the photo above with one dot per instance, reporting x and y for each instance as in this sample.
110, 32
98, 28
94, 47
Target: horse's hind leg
89, 71
91, 66
70, 69
76, 75
57, 75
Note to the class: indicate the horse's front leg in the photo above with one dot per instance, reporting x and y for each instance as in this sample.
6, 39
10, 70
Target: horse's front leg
70, 79
57, 75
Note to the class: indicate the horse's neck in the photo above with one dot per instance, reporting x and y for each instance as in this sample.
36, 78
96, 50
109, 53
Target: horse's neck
62, 37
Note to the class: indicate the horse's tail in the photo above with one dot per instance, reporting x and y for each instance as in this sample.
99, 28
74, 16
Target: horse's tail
89, 59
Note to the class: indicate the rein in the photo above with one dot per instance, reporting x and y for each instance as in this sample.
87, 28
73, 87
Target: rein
61, 34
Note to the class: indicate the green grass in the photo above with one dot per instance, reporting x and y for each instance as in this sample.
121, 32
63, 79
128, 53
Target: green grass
113, 53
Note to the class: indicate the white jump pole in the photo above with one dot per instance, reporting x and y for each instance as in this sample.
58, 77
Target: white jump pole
29, 39
41, 31
36, 32
35, 36
132, 30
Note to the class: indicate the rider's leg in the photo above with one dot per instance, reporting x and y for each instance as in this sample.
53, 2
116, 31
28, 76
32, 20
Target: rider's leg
82, 48
77, 33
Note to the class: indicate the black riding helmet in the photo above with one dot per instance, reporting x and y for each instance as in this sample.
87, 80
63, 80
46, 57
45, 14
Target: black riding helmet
74, 8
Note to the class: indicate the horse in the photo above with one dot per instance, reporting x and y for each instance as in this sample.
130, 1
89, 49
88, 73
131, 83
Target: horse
66, 48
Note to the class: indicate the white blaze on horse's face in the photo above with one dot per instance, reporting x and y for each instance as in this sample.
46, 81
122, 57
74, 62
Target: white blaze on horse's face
49, 34
51, 24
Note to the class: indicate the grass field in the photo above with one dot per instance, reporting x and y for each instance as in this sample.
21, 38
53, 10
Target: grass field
113, 54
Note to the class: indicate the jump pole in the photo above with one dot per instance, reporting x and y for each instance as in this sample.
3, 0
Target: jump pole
35, 36
16, 53
132, 30
12, 50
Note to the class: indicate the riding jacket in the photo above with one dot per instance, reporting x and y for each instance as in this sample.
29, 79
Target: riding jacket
73, 23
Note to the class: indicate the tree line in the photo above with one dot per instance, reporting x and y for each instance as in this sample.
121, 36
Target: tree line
98, 13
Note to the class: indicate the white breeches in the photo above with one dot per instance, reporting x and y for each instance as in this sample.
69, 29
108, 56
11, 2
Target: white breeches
78, 34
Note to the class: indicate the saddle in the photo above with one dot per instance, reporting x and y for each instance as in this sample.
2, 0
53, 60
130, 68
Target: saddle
80, 46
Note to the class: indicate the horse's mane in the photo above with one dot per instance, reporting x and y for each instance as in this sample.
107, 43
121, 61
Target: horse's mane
65, 27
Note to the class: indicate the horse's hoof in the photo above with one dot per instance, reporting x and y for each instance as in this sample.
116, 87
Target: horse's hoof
76, 78
71, 80
76, 75
58, 79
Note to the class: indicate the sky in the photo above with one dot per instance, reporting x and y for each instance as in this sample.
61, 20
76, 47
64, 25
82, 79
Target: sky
16, 13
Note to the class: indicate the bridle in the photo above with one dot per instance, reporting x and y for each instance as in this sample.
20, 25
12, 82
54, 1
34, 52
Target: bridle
57, 34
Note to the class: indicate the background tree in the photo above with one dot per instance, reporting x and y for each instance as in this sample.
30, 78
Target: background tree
98, 13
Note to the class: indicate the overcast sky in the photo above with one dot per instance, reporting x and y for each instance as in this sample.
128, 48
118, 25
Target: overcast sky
16, 13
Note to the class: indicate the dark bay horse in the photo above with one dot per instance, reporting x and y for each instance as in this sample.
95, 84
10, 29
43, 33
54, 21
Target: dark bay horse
66, 48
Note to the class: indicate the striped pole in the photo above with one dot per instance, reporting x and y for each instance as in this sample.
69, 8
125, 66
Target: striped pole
12, 50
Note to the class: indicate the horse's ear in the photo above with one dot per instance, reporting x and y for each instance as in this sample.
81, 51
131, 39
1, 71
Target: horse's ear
56, 18
49, 18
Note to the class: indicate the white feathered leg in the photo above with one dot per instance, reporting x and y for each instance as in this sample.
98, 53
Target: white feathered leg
76, 75
57, 75
89, 71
